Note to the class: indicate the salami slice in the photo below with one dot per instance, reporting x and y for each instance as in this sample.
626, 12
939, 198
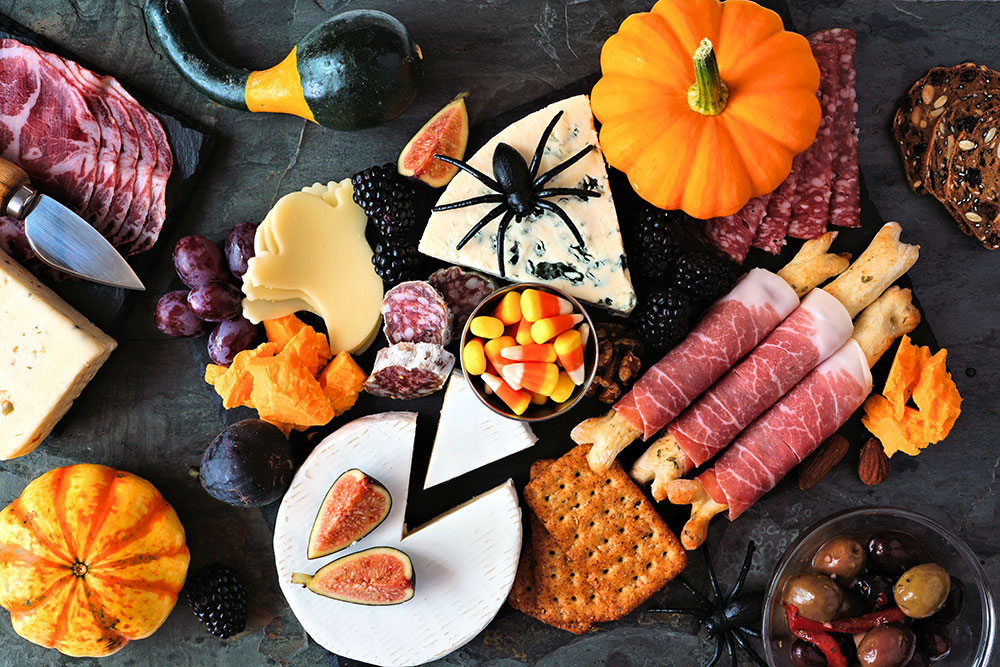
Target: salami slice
770, 236
414, 312
845, 202
811, 209
732, 234
409, 370
462, 291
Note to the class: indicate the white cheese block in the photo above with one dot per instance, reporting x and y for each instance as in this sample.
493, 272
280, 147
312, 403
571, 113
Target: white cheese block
48, 354
311, 254
464, 561
542, 248
470, 435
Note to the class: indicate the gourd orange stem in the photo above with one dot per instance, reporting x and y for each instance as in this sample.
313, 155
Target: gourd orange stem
709, 93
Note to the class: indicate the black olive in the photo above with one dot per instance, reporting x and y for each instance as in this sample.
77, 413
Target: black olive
918, 660
805, 654
892, 552
933, 639
886, 646
874, 589
954, 605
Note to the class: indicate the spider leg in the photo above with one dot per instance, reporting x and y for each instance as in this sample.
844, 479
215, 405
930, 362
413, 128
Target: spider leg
746, 646
751, 631
501, 230
751, 547
536, 159
485, 199
731, 649
702, 600
576, 192
549, 206
712, 578
485, 220
472, 171
559, 168
697, 613
717, 654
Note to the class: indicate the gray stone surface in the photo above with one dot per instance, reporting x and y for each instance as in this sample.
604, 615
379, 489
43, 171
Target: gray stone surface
149, 412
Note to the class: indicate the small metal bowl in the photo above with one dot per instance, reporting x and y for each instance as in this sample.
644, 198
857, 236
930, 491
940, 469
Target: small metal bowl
534, 413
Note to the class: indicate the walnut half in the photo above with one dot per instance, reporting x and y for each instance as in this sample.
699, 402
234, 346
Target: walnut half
618, 361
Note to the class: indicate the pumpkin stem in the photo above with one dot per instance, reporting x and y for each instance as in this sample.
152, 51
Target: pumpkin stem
708, 94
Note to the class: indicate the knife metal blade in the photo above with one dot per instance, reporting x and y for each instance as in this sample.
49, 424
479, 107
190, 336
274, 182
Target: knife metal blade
66, 241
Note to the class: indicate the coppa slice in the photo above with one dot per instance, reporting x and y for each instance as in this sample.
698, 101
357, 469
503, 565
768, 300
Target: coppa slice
353, 507
377, 576
542, 249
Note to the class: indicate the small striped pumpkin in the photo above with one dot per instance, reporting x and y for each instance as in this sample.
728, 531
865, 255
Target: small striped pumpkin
90, 559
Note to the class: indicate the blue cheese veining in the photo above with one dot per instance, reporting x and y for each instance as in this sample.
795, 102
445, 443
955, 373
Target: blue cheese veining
542, 248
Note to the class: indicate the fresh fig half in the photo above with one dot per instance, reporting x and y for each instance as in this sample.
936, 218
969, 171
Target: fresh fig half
353, 507
376, 576
446, 133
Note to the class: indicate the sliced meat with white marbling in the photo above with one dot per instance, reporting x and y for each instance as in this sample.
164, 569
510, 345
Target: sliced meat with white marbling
733, 326
734, 233
814, 331
770, 236
142, 190
792, 429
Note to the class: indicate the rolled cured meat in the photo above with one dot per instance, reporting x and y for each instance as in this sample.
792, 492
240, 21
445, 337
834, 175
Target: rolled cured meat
788, 432
814, 331
733, 326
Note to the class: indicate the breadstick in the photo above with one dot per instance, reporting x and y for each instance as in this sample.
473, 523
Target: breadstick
879, 266
813, 265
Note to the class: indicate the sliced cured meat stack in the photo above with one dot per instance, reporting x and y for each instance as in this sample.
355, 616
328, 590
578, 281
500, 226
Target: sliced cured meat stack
733, 234
130, 228
157, 213
770, 236
845, 202
814, 331
733, 326
414, 312
784, 435
811, 208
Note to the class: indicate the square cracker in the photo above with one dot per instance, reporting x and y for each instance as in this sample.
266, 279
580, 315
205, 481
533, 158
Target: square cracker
607, 527
522, 594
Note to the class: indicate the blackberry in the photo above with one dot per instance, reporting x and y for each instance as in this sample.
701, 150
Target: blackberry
395, 261
656, 243
664, 318
218, 599
703, 276
386, 198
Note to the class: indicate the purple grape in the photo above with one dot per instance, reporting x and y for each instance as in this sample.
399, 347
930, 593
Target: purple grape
215, 301
239, 247
175, 318
198, 261
229, 338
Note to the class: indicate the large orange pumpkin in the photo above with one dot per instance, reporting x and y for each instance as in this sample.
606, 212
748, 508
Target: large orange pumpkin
705, 126
90, 558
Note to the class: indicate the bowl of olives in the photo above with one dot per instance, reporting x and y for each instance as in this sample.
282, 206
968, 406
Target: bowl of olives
879, 587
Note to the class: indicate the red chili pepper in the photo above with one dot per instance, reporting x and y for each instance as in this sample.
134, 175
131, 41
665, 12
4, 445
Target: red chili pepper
815, 634
844, 625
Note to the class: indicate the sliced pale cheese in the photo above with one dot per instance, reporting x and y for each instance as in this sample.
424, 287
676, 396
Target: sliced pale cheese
543, 249
48, 354
470, 435
464, 561
311, 254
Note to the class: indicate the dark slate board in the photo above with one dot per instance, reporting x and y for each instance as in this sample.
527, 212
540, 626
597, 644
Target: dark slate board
191, 144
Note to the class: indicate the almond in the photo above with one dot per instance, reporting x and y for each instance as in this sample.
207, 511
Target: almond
873, 467
819, 463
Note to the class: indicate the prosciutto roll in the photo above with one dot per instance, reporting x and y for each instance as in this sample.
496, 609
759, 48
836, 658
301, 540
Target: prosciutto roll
784, 435
814, 331
733, 326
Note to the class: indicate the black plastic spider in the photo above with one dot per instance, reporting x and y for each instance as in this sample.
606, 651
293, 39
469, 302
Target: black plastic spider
519, 191
726, 618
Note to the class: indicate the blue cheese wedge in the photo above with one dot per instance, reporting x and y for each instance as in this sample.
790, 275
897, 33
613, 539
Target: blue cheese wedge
48, 354
462, 414
542, 248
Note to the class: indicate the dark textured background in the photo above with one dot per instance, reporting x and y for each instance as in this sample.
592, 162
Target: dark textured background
149, 412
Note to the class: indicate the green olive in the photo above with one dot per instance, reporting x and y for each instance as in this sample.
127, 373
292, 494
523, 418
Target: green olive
840, 557
922, 590
816, 596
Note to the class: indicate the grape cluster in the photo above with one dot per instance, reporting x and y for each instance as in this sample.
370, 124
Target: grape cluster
212, 304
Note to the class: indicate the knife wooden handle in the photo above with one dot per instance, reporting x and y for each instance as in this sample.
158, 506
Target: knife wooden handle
12, 178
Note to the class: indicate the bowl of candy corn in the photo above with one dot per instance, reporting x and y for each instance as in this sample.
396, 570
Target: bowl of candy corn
529, 351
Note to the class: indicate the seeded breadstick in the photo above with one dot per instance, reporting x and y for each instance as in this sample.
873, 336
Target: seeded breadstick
879, 266
813, 265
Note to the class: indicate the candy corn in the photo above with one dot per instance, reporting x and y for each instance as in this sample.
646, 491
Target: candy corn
533, 376
508, 310
517, 401
584, 330
564, 388
546, 329
492, 350
523, 333
537, 305
474, 357
538, 399
569, 348
545, 353
486, 327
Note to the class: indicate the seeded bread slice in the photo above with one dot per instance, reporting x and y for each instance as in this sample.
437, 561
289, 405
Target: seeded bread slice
972, 189
925, 102
961, 116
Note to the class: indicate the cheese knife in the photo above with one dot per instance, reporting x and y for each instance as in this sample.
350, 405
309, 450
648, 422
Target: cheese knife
60, 237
